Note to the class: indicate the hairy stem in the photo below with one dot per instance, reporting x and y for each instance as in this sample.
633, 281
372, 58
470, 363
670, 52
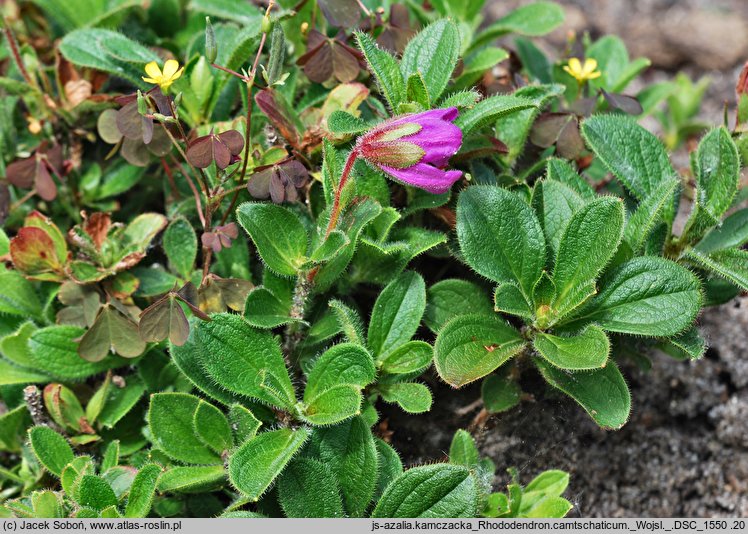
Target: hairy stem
335, 213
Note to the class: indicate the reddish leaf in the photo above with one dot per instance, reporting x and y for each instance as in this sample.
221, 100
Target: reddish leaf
278, 111
219, 148
340, 13
326, 57
97, 226
164, 319
279, 182
33, 252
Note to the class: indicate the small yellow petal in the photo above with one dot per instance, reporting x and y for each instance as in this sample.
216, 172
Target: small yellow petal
594, 75
177, 74
150, 80
589, 67
170, 68
575, 65
152, 70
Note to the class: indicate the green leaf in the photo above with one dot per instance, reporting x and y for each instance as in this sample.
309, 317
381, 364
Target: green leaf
330, 248
11, 374
47, 504
390, 466
17, 296
555, 203
462, 450
471, 346
51, 448
4, 241
180, 245
140, 497
508, 298
257, 463
263, 309
54, 350
13, 424
332, 405
212, 428
170, 418
350, 322
449, 298
687, 345
500, 236
433, 53
278, 234
586, 246
732, 233
412, 397
649, 213
226, 9
95, 492
535, 19
120, 401
587, 350
111, 332
645, 296
603, 393
561, 170
397, 314
488, 110
349, 449
385, 69
111, 456
417, 91
412, 357
633, 154
718, 176
120, 179
730, 264
549, 507
189, 360
341, 123
243, 423
438, 490
477, 64
308, 488
500, 393
108, 51
550, 483
192, 479
244, 360
342, 364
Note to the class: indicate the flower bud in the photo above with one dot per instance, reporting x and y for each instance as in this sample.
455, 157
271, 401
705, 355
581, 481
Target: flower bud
266, 25
142, 103
211, 47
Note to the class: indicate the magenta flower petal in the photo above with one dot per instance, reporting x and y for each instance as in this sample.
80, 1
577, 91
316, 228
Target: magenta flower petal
413, 149
440, 141
445, 114
426, 177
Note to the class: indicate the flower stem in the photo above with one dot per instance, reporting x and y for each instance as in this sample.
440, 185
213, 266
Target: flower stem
335, 213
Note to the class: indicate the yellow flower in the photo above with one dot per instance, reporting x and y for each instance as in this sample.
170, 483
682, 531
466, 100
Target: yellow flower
163, 79
585, 72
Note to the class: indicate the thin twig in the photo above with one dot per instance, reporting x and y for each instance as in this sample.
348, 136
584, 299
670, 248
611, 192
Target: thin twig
248, 123
195, 192
17, 54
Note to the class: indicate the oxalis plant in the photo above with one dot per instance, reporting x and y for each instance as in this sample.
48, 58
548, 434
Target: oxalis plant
227, 264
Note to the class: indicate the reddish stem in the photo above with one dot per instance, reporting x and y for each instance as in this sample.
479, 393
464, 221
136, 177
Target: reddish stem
16, 53
335, 213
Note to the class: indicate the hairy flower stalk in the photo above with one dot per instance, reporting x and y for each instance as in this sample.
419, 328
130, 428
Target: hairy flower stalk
412, 150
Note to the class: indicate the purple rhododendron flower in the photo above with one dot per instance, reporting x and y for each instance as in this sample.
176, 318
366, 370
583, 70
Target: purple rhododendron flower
414, 149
